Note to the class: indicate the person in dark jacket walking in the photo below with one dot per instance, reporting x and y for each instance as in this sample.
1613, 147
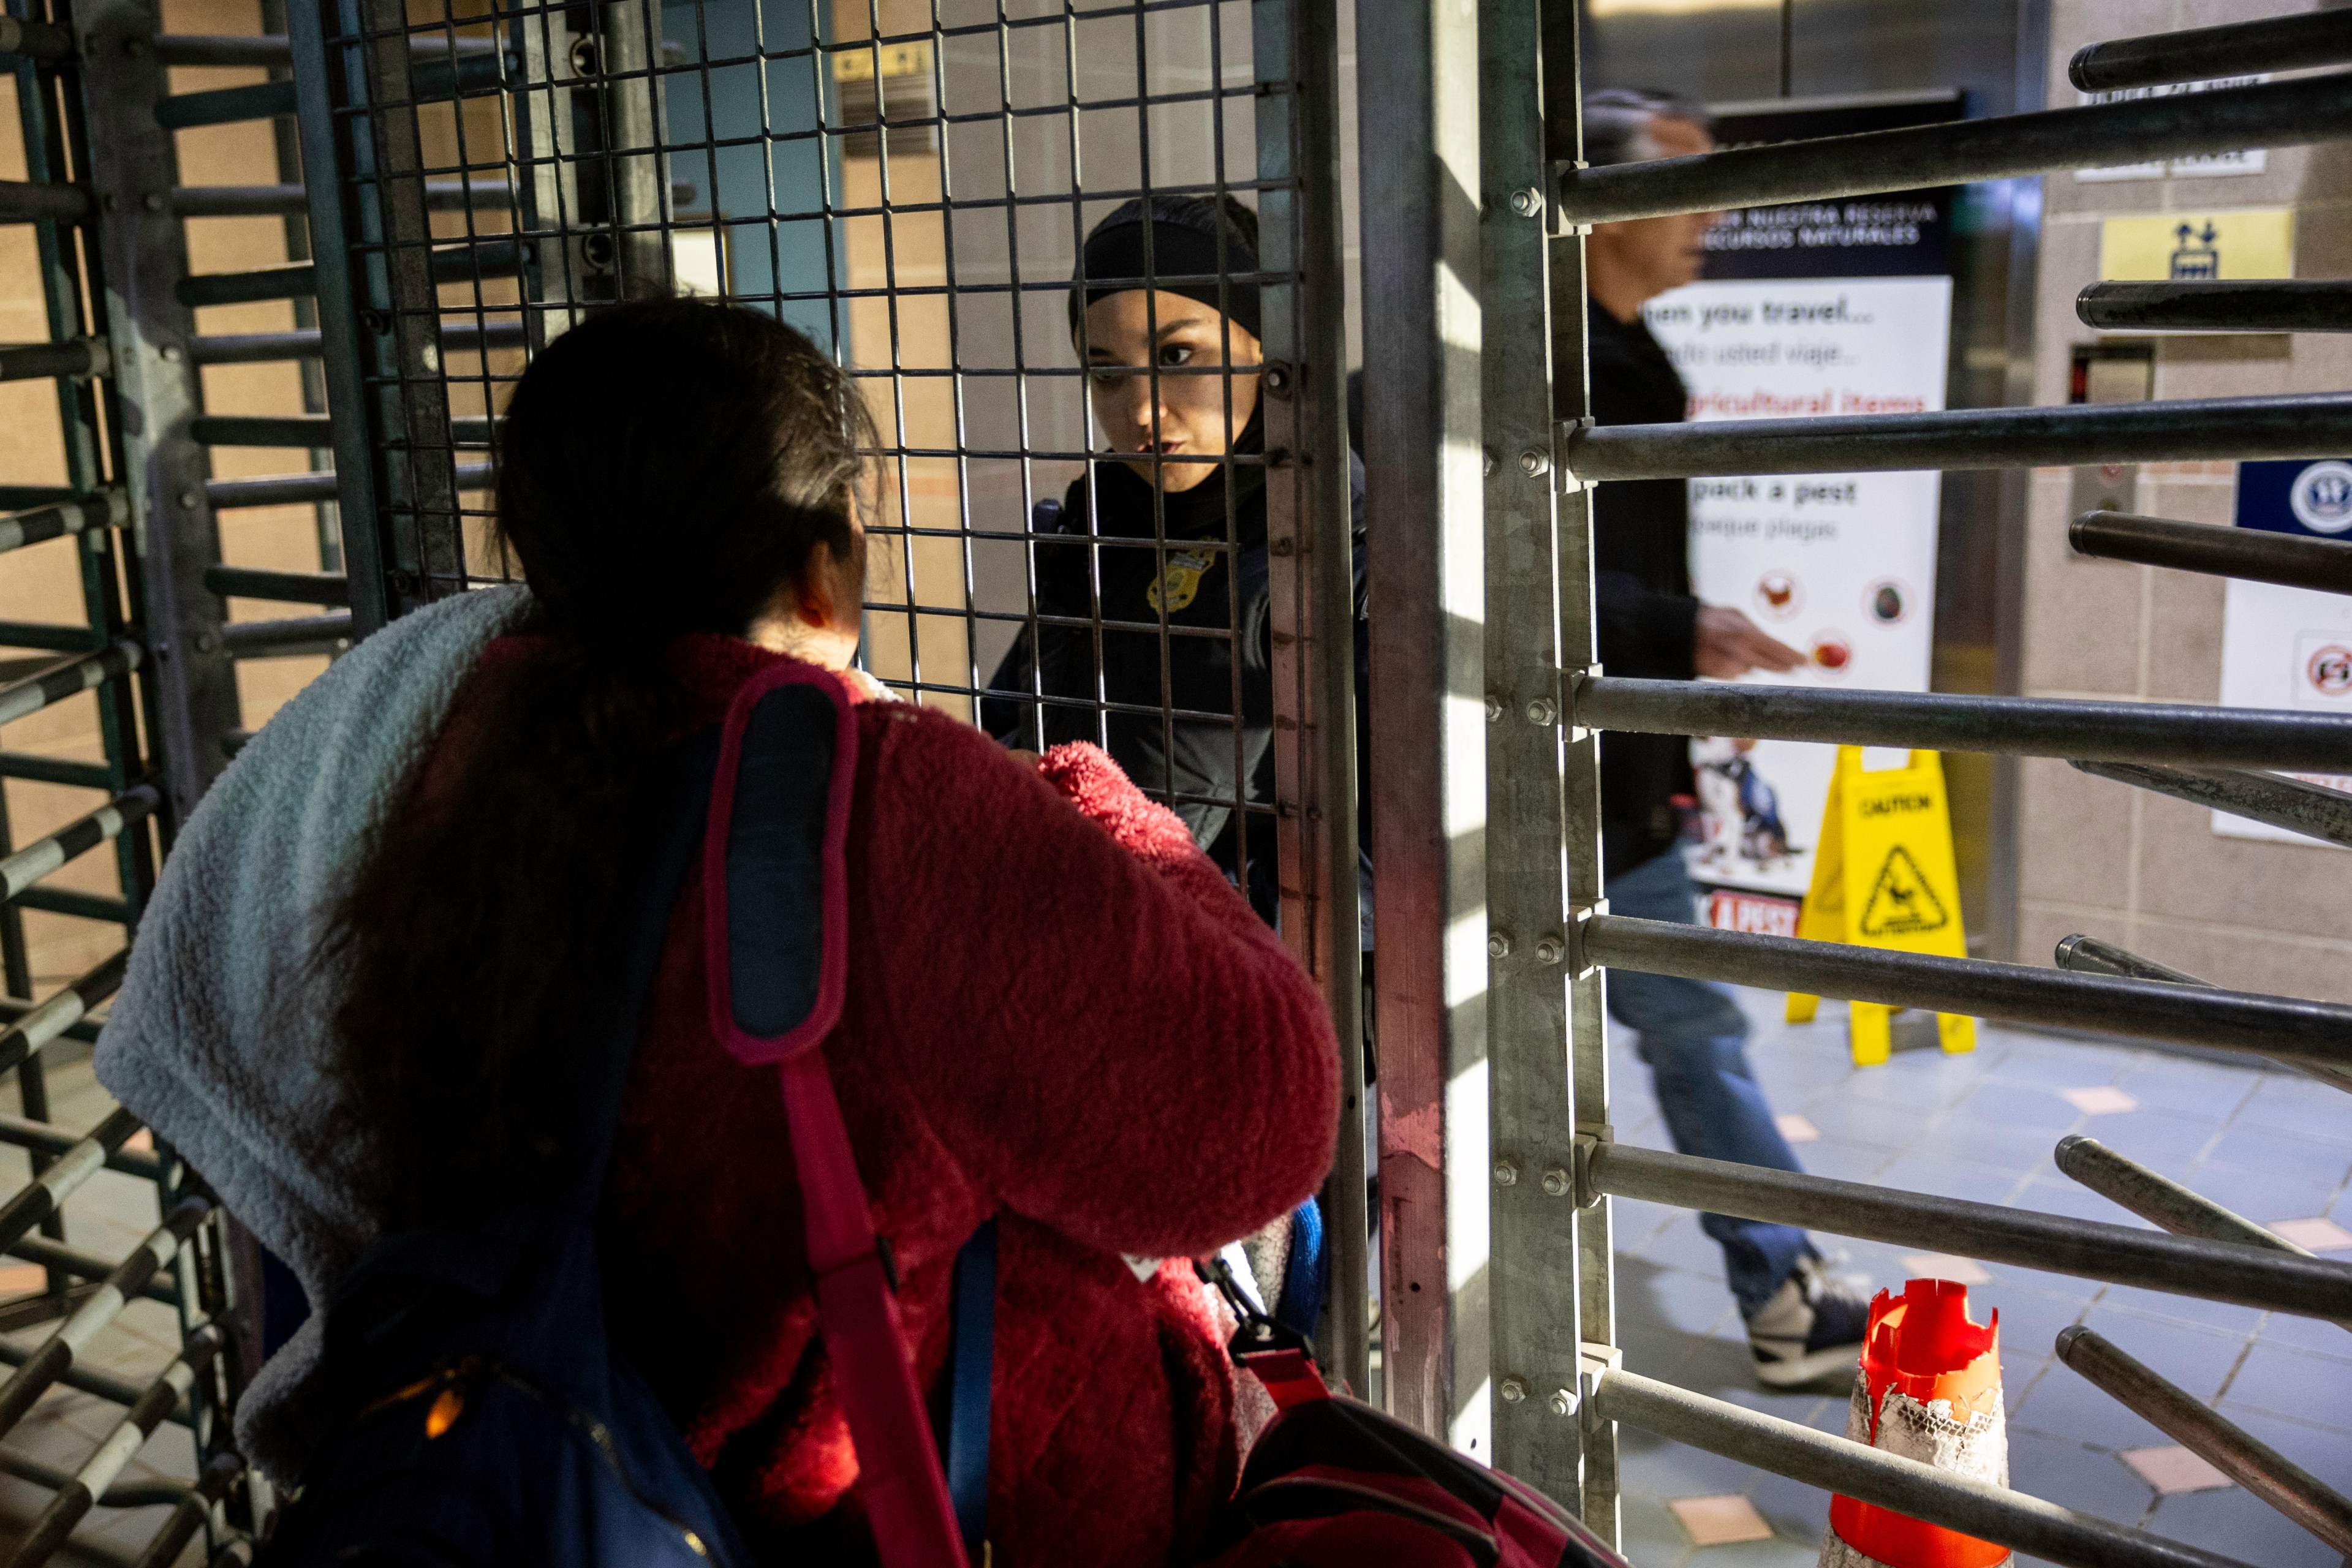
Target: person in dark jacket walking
1802, 1322
1154, 631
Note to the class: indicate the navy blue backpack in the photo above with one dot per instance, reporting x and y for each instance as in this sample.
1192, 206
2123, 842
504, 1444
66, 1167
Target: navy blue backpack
486, 1417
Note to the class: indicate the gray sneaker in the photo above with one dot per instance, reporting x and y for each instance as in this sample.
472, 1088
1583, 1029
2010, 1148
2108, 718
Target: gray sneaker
1812, 1327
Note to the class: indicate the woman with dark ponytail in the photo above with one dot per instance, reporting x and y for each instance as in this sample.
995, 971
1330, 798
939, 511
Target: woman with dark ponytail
664, 470
371, 962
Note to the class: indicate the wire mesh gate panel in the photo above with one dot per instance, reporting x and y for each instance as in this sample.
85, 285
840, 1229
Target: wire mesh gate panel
912, 184
911, 189
1499, 1161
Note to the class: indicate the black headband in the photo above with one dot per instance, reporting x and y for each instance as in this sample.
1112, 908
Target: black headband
1183, 261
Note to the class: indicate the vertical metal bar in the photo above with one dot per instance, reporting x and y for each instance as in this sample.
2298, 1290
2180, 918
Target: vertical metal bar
197, 1304
38, 98
1292, 541
1072, 121
1277, 211
239, 1310
628, 54
1322, 383
1313, 599
1533, 1264
31, 1083
175, 535
596, 175
1418, 130
541, 198
57, 140
33, 1099
55, 130
896, 439
722, 236
287, 145
53, 241
1164, 785
966, 585
470, 229
1580, 653
412, 398
1015, 175
15, 963
2019, 333
322, 83
832, 176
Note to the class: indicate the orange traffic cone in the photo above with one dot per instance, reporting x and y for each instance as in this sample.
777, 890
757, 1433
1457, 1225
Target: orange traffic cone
1929, 1389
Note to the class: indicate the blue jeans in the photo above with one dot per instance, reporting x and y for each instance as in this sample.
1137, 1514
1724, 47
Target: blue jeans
1693, 1037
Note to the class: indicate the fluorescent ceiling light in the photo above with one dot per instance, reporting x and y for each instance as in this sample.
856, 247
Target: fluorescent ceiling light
1601, 8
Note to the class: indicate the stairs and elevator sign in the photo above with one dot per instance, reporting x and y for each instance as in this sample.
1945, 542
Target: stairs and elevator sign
2198, 247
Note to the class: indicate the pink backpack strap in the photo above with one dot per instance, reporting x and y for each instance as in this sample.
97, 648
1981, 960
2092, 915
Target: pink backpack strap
776, 913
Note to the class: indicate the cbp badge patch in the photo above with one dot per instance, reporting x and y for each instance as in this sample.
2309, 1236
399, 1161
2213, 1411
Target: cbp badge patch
1174, 588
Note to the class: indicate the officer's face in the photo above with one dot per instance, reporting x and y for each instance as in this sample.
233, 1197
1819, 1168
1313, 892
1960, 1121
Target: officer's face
1158, 390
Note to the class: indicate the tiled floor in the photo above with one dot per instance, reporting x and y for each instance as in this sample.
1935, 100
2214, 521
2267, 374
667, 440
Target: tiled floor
2271, 1144
109, 1216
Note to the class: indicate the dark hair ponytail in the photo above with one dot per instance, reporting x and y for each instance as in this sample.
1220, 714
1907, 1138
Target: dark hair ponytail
666, 466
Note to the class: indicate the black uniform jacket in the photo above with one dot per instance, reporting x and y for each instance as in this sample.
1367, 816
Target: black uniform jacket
1641, 593
1103, 582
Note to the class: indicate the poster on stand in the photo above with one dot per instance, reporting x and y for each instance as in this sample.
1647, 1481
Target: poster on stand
2289, 647
1806, 309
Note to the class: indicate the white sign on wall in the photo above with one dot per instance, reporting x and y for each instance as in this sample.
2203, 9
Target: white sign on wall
2251, 161
1839, 566
2288, 647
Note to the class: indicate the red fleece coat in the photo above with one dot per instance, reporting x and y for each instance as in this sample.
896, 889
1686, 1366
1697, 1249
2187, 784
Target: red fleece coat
1058, 1013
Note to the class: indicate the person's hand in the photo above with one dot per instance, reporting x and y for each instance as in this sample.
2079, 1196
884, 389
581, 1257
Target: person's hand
1027, 759
1726, 644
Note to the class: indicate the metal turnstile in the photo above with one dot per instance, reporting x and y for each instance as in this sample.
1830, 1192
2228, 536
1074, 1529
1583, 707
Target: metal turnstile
1500, 1321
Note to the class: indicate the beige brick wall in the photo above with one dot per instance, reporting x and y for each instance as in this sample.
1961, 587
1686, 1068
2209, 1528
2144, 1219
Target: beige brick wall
2120, 864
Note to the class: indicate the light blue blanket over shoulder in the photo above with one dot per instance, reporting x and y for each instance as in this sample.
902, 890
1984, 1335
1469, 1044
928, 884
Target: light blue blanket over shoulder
215, 1040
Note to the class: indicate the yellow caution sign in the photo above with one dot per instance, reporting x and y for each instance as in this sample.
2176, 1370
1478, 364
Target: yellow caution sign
1883, 877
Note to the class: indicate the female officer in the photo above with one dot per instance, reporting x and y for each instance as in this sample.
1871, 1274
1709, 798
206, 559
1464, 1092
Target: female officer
1152, 633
